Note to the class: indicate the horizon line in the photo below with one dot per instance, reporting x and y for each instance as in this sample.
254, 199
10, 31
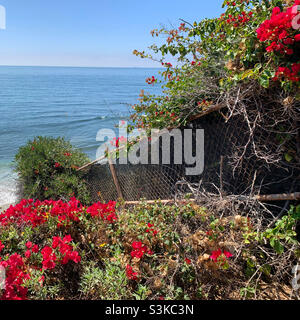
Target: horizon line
45, 66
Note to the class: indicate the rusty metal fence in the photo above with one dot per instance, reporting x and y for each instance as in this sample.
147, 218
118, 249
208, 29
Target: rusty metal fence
224, 142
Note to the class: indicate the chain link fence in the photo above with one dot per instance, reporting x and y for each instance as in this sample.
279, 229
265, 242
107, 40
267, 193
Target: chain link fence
232, 165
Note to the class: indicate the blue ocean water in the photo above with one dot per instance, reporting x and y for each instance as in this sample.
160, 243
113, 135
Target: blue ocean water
56, 101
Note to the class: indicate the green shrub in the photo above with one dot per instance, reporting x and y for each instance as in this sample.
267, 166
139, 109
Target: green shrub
47, 170
110, 283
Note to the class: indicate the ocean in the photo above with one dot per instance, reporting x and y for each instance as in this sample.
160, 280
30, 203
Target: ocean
56, 101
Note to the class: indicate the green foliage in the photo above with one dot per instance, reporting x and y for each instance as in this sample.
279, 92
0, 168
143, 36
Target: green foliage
247, 292
141, 293
47, 168
212, 57
186, 260
283, 232
41, 291
105, 284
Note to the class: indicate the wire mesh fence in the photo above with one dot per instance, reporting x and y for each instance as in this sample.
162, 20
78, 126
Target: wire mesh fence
232, 165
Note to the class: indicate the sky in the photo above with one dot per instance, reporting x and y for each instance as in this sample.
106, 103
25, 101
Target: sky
90, 33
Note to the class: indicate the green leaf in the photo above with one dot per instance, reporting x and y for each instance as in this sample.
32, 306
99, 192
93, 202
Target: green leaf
288, 157
278, 247
247, 74
264, 81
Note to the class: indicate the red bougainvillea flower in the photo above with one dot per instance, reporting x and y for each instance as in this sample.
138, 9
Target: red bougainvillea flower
291, 74
137, 245
67, 239
37, 213
278, 31
139, 250
188, 261
28, 254
56, 242
218, 253
168, 65
1, 246
49, 258
29, 245
107, 212
15, 277
150, 229
227, 254
65, 249
57, 165
130, 274
35, 249
41, 280
151, 80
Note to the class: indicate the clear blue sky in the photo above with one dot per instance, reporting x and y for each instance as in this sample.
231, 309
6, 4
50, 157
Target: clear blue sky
99, 33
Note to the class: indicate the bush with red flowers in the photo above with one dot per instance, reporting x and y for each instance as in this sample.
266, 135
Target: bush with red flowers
64, 250
43, 242
251, 42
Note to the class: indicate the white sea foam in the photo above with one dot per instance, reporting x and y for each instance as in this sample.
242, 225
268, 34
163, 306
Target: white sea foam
8, 188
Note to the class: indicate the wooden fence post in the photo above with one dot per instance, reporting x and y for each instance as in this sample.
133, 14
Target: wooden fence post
115, 177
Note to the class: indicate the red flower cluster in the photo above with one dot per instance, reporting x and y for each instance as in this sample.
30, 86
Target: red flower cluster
182, 27
16, 266
173, 35
65, 212
217, 254
167, 115
65, 251
193, 63
279, 30
151, 80
49, 258
107, 212
31, 249
131, 275
150, 226
36, 213
57, 165
16, 274
139, 250
240, 19
287, 73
